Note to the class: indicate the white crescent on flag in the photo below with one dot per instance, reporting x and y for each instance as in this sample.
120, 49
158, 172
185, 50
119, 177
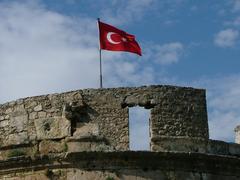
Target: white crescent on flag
109, 38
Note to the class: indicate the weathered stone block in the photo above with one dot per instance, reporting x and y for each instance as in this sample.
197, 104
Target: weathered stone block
47, 146
179, 144
42, 114
86, 129
75, 146
52, 128
19, 123
234, 149
17, 138
19, 108
38, 108
4, 123
218, 147
30, 103
9, 110
33, 115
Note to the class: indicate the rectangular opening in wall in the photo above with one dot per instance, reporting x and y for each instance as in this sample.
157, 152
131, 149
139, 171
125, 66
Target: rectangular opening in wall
139, 135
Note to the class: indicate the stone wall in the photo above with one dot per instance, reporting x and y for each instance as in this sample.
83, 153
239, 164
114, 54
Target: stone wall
97, 119
122, 166
85, 134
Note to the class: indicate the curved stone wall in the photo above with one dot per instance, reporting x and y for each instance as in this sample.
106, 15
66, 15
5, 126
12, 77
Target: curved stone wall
97, 119
122, 166
75, 134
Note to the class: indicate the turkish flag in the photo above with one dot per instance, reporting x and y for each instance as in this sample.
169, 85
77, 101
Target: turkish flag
114, 39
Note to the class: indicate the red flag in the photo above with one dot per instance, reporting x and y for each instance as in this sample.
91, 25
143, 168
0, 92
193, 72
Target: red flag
114, 39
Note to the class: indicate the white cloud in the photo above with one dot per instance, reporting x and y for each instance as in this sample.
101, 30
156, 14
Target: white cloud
222, 125
223, 100
226, 38
236, 5
42, 51
165, 54
122, 12
131, 71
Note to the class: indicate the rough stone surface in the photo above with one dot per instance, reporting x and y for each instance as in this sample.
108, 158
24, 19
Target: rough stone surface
52, 128
86, 129
46, 147
123, 166
96, 120
175, 112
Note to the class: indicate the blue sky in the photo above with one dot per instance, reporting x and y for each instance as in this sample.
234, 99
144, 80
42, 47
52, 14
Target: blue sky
50, 46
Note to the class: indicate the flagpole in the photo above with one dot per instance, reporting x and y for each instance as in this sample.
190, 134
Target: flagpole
100, 58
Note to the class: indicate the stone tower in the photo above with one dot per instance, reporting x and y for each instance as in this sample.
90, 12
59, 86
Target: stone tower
237, 136
84, 134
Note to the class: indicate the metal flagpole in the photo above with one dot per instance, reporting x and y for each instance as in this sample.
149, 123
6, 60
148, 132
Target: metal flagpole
100, 58
100, 54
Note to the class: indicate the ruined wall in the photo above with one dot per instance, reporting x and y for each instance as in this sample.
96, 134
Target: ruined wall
123, 166
62, 122
85, 133
97, 119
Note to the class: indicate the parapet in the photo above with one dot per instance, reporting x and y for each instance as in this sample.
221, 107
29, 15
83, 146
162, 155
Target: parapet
84, 134
97, 120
